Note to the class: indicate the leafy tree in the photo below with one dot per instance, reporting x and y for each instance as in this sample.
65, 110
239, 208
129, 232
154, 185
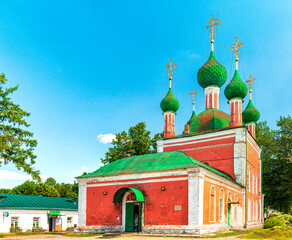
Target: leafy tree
136, 141
277, 163
51, 181
4, 190
16, 143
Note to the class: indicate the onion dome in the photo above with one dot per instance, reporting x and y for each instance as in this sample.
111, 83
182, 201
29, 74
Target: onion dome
236, 88
169, 103
250, 113
212, 73
210, 119
193, 117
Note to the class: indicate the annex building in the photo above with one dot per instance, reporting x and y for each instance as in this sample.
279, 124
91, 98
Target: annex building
31, 213
204, 180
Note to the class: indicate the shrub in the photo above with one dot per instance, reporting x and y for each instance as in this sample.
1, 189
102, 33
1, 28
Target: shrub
274, 221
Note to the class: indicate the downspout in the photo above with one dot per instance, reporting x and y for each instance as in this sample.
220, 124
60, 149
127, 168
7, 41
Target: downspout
262, 197
245, 218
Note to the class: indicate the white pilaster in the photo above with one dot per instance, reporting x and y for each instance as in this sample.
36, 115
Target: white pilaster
82, 202
196, 197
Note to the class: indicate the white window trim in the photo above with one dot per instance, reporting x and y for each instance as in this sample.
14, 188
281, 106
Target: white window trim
214, 211
221, 220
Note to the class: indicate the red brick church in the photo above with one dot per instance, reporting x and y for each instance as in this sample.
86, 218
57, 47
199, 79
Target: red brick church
204, 180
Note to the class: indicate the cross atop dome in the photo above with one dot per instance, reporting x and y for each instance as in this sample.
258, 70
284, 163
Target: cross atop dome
193, 93
249, 82
170, 72
212, 29
235, 48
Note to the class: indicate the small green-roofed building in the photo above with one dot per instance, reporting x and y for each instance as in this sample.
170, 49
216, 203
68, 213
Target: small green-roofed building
31, 212
156, 162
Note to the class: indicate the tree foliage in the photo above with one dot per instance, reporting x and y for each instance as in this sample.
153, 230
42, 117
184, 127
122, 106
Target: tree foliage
137, 141
49, 188
277, 163
16, 143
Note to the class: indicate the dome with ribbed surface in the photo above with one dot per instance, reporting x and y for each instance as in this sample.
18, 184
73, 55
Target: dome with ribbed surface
169, 103
193, 117
209, 119
250, 113
236, 88
212, 73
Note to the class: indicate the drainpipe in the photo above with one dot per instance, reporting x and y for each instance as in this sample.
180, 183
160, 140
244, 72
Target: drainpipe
245, 218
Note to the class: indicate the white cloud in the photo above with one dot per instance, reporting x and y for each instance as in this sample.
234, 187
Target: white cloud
10, 175
106, 138
83, 167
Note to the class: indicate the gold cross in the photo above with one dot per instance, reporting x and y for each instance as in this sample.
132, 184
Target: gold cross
193, 93
251, 79
212, 24
236, 47
170, 66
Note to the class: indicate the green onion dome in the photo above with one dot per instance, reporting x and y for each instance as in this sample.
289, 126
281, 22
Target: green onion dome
236, 88
193, 117
169, 103
250, 113
210, 119
212, 73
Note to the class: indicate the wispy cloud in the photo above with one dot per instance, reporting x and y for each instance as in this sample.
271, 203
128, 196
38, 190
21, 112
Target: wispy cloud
83, 167
106, 138
10, 175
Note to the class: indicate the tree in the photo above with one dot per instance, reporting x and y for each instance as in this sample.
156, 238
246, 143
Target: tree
16, 144
277, 163
136, 141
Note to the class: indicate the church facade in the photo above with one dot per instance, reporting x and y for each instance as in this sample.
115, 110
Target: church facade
204, 180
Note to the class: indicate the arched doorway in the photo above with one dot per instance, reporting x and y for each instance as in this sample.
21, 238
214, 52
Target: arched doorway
132, 200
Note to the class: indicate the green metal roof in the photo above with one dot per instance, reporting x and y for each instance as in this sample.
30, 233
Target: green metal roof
169, 103
212, 73
250, 113
16, 201
210, 119
156, 162
118, 197
236, 88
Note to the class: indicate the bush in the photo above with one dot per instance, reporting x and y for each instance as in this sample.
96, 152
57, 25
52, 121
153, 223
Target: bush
274, 221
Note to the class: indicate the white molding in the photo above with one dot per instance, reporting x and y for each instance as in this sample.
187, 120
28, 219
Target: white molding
139, 181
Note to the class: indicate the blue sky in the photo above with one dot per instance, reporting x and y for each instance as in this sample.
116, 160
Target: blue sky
87, 68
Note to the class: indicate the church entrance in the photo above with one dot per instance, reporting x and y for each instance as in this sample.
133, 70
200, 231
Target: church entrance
133, 217
132, 200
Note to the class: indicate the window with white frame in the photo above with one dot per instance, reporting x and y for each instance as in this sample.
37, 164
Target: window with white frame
249, 209
14, 221
69, 221
36, 222
221, 205
252, 182
256, 184
212, 208
235, 207
248, 179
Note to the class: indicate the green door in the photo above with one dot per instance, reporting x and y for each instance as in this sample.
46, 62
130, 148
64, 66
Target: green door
228, 215
129, 217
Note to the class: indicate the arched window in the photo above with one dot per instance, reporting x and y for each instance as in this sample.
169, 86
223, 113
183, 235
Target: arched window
252, 182
229, 198
235, 207
221, 205
248, 179
212, 208
249, 210
256, 184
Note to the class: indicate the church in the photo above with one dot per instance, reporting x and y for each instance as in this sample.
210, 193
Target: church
204, 180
